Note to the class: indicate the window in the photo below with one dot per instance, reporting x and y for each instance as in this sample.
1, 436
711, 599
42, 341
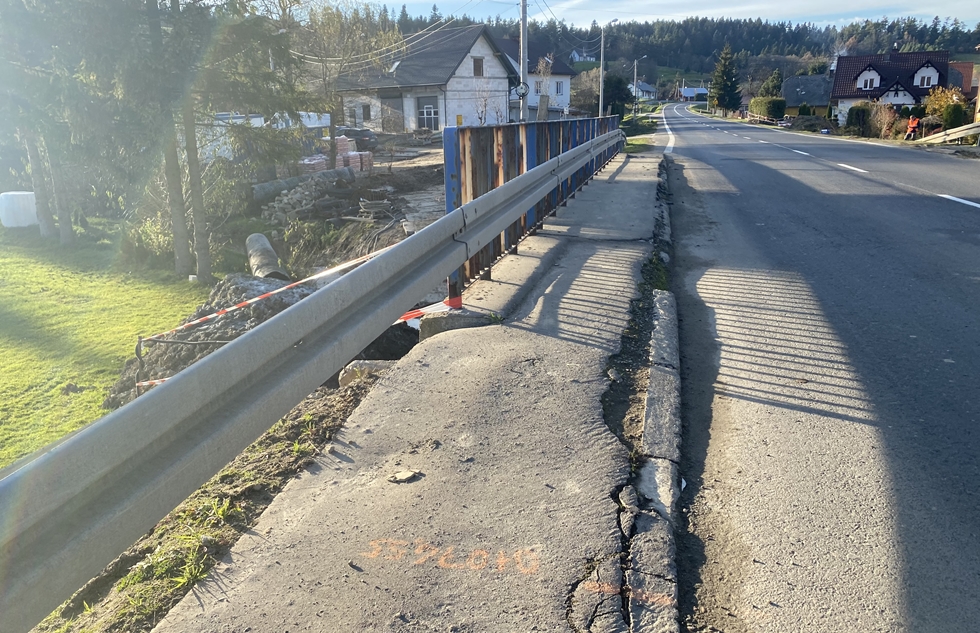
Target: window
352, 114
428, 108
869, 83
925, 81
477, 66
559, 87
537, 87
366, 112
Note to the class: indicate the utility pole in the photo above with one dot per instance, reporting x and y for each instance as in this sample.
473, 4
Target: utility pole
636, 96
524, 57
602, 63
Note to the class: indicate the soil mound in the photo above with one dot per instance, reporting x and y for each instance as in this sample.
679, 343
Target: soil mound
180, 349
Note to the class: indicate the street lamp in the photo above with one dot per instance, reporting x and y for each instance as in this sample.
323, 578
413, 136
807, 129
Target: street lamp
602, 62
636, 98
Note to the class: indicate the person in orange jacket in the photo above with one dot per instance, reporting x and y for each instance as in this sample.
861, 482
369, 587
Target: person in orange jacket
912, 129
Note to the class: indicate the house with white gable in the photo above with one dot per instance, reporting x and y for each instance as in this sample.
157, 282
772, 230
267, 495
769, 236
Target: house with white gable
557, 84
899, 79
451, 76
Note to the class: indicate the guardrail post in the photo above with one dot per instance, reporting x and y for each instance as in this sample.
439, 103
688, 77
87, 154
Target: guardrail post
530, 137
454, 192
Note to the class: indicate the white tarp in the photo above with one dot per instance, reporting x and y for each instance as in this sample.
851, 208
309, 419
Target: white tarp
17, 209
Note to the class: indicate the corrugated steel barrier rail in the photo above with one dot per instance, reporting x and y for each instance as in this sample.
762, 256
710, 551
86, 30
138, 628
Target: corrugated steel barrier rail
71, 509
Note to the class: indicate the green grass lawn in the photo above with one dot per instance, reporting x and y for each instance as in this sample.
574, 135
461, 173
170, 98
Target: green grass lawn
637, 145
71, 316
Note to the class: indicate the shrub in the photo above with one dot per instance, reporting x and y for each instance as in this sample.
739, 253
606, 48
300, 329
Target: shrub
771, 107
904, 112
918, 110
883, 119
804, 109
953, 115
859, 119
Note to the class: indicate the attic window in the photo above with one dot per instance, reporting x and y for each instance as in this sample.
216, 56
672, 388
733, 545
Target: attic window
869, 83
477, 66
925, 81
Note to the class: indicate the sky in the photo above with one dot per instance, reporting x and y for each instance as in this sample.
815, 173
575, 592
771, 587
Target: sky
583, 12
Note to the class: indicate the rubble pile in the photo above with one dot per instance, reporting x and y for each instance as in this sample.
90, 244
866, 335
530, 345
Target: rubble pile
318, 196
164, 360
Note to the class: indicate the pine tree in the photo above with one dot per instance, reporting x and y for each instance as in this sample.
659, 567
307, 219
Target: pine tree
724, 93
773, 86
404, 20
435, 16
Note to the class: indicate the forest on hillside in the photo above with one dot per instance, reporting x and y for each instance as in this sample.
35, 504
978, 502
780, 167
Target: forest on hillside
693, 44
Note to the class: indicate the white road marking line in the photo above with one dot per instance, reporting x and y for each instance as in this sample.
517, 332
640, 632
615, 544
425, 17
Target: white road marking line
852, 168
766, 142
960, 200
670, 135
746, 138
799, 152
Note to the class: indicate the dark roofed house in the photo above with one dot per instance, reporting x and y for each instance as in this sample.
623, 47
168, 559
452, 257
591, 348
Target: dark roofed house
895, 78
451, 76
558, 86
813, 90
643, 90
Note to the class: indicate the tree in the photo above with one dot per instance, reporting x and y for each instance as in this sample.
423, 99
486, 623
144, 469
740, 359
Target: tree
585, 91
724, 94
435, 16
165, 102
617, 94
940, 97
773, 86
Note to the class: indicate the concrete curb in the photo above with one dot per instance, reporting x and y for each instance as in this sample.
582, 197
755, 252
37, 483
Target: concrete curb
652, 566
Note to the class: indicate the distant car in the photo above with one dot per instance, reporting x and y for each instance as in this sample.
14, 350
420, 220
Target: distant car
366, 139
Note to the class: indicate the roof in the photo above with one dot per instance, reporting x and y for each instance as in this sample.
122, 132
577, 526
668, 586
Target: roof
430, 59
893, 68
643, 86
693, 92
810, 89
512, 48
966, 70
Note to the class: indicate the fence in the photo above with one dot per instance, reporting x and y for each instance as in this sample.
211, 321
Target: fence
480, 159
68, 511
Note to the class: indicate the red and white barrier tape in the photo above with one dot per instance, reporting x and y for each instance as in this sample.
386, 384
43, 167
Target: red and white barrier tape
151, 383
443, 306
266, 295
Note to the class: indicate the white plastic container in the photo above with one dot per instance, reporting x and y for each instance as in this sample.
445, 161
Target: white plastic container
17, 209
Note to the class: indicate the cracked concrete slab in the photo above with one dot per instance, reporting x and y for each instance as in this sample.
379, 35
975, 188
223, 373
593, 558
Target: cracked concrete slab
518, 479
662, 419
652, 577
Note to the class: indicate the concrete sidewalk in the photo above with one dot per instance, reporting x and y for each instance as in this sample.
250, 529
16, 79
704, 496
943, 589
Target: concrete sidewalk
478, 487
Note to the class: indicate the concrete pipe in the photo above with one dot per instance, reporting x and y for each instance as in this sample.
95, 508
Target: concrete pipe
262, 258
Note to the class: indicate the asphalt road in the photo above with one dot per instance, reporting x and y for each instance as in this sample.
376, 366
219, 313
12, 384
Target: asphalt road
828, 294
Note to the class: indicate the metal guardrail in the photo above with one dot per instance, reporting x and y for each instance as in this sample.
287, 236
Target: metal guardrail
479, 159
951, 135
70, 510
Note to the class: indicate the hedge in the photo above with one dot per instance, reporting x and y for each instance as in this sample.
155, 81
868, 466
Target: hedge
953, 115
771, 107
859, 118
